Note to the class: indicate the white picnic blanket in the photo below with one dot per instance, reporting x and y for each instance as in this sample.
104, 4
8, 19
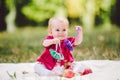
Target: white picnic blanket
102, 70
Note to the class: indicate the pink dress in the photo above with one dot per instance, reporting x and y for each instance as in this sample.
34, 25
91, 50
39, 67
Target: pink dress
49, 61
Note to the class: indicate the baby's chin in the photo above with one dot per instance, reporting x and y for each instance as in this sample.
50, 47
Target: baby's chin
61, 38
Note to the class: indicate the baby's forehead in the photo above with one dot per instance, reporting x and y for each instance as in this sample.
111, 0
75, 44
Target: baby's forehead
58, 22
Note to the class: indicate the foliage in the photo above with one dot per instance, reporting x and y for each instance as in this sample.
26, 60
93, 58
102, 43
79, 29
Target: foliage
86, 10
89, 13
24, 45
41, 10
75, 8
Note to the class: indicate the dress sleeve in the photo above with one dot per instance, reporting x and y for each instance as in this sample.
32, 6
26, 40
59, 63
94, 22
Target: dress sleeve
72, 40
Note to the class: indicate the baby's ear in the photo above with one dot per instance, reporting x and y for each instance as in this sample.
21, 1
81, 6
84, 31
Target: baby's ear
50, 33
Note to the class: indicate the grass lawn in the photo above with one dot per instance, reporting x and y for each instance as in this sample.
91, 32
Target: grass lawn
24, 45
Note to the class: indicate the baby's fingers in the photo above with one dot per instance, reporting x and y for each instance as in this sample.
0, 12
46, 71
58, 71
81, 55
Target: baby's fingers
56, 41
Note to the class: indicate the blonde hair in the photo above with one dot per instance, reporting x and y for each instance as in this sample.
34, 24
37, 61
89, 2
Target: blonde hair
57, 21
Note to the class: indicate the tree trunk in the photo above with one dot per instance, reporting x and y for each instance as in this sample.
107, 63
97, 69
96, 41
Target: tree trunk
10, 18
116, 13
3, 13
88, 18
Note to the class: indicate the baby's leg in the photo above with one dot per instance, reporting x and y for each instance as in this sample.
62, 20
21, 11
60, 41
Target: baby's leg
78, 67
81, 69
41, 70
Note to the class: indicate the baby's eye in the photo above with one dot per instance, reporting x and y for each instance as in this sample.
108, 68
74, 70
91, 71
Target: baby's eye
57, 30
64, 29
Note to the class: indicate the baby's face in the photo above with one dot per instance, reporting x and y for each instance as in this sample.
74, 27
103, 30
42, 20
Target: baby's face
60, 32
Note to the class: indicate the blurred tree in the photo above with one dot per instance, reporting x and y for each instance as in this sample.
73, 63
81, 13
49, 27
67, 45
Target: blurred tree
42, 10
88, 10
115, 14
3, 13
37, 12
88, 18
74, 9
10, 18
21, 20
105, 7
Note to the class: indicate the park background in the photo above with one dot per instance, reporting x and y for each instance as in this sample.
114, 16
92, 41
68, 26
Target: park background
23, 26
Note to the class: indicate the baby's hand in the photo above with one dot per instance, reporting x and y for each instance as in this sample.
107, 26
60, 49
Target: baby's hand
56, 41
79, 35
78, 29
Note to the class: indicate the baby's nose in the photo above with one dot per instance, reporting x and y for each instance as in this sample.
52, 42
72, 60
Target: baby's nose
60, 32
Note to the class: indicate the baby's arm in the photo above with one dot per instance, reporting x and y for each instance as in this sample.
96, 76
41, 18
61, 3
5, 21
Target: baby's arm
79, 35
49, 42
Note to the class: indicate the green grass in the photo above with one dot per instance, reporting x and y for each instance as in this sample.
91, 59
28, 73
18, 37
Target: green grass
24, 45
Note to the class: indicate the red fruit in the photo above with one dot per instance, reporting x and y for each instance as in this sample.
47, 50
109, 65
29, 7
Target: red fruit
69, 73
87, 71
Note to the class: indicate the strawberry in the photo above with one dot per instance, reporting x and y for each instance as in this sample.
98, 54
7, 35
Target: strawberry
69, 73
87, 71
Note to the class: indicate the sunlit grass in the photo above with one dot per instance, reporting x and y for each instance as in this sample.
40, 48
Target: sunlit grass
100, 44
24, 45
